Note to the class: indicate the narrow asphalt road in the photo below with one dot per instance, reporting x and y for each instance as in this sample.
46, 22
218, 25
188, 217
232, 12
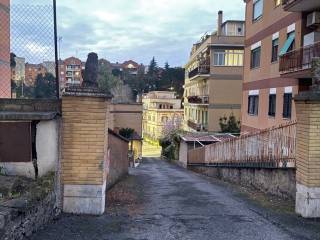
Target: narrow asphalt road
162, 201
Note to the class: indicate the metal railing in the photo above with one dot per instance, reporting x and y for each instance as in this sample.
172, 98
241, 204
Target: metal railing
203, 68
299, 59
287, 2
198, 99
194, 126
275, 147
197, 126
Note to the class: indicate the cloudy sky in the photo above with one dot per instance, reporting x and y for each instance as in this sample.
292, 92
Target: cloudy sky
119, 30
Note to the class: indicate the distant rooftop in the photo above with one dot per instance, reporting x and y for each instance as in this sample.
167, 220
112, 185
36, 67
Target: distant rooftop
206, 137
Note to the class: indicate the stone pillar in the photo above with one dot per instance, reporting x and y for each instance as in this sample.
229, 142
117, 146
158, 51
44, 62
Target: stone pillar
84, 146
308, 151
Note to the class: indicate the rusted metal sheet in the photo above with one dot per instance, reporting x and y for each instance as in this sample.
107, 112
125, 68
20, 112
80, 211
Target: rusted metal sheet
15, 142
275, 147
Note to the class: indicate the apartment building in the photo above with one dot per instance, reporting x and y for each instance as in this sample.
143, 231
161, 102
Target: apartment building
5, 72
70, 72
160, 109
31, 73
127, 67
19, 71
128, 115
50, 66
282, 37
213, 81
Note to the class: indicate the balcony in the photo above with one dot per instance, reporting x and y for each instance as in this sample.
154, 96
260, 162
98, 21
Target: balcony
202, 71
299, 61
194, 126
197, 126
300, 5
74, 82
201, 100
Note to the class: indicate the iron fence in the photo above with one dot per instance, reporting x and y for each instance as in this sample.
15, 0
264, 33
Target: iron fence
28, 49
275, 147
299, 59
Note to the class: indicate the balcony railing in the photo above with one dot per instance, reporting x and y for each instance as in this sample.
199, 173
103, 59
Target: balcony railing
194, 126
197, 126
203, 68
288, 2
198, 99
300, 5
300, 59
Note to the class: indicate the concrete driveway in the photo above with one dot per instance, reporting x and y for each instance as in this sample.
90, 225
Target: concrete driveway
161, 201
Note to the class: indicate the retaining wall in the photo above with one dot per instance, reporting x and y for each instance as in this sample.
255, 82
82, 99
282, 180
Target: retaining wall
21, 217
276, 181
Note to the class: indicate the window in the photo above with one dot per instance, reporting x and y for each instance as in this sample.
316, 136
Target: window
255, 57
257, 9
164, 119
277, 3
272, 105
289, 44
287, 105
275, 49
228, 58
253, 105
219, 58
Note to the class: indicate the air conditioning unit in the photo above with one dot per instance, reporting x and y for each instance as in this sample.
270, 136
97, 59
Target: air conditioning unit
313, 19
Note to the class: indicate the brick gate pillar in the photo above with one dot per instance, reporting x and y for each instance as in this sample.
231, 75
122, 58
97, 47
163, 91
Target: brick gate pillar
308, 149
84, 146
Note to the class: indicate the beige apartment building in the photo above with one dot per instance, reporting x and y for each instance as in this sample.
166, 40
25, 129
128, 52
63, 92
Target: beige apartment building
128, 115
160, 109
282, 37
213, 81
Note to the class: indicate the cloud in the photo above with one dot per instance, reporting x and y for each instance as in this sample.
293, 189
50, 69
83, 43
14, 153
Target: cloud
138, 29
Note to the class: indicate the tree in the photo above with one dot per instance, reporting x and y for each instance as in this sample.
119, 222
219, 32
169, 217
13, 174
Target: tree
91, 71
12, 60
166, 66
229, 125
138, 82
173, 124
170, 144
153, 75
126, 132
45, 86
172, 79
106, 81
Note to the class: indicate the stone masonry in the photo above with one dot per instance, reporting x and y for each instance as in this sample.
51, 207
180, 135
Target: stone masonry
84, 151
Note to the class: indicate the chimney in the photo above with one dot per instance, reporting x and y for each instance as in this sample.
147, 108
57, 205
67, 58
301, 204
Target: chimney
220, 19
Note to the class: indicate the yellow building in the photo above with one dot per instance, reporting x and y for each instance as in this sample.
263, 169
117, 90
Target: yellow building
213, 81
161, 110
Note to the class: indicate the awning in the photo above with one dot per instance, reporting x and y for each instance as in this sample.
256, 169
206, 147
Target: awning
287, 44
